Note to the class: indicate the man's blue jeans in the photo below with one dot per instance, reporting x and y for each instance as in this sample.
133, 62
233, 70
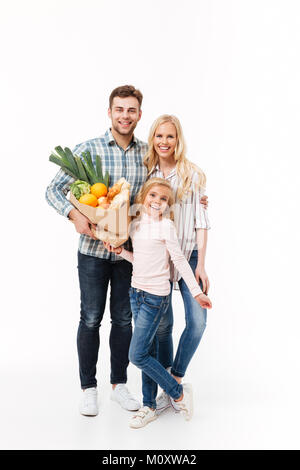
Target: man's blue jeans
94, 277
147, 310
195, 318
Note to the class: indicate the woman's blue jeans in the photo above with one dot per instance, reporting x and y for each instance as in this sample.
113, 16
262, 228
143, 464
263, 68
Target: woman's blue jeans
147, 310
195, 319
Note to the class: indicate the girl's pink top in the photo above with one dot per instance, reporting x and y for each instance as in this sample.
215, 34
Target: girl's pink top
153, 242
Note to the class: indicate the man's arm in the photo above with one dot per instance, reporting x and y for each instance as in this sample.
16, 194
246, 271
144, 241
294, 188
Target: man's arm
57, 191
82, 224
56, 196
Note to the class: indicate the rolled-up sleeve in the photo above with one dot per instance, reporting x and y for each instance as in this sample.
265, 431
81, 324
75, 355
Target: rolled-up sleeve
56, 193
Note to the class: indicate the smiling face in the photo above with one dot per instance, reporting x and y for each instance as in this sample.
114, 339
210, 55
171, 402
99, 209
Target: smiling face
156, 200
165, 140
124, 113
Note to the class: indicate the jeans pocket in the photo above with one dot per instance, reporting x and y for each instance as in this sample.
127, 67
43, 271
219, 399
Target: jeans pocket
153, 301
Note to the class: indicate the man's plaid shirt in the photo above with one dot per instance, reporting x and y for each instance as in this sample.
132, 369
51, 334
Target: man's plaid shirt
118, 162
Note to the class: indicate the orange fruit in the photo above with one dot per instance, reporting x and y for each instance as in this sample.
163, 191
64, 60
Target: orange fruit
99, 190
89, 200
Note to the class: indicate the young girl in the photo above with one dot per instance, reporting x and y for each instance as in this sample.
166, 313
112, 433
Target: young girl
166, 158
154, 239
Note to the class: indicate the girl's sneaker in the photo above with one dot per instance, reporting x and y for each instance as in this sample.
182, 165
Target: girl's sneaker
144, 416
185, 406
163, 402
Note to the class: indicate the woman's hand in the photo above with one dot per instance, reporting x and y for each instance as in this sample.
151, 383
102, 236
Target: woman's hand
204, 201
112, 249
200, 273
203, 300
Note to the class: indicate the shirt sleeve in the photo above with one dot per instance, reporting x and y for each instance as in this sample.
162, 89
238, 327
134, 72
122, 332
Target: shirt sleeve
179, 259
128, 255
56, 192
201, 216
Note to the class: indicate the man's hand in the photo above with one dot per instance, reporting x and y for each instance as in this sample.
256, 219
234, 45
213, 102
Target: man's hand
204, 201
82, 223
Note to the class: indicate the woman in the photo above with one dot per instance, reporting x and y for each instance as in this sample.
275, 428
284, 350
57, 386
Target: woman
166, 159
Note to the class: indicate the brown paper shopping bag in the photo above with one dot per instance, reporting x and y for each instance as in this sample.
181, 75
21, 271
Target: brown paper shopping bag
112, 223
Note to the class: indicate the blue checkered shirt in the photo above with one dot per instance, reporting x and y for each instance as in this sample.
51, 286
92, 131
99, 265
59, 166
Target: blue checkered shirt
118, 162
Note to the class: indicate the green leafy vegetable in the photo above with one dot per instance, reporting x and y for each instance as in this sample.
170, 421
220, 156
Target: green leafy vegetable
79, 188
80, 168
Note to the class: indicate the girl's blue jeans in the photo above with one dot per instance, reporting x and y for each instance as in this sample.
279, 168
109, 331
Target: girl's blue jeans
195, 319
147, 310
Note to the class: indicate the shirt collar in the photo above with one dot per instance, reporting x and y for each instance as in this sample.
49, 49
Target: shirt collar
170, 175
111, 140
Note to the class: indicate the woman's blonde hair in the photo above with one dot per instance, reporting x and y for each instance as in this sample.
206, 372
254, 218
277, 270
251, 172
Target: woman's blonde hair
141, 195
184, 168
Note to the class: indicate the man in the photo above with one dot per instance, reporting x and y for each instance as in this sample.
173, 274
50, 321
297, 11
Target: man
122, 155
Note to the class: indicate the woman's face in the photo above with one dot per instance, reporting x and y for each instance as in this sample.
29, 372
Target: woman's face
156, 200
165, 140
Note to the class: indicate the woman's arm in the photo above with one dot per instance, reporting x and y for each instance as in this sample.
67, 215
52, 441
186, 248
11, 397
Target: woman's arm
183, 266
200, 272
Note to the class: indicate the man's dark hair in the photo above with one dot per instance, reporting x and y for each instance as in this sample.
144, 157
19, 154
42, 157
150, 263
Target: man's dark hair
124, 92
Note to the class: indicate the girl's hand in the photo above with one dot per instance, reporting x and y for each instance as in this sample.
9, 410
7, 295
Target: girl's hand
112, 249
200, 273
203, 300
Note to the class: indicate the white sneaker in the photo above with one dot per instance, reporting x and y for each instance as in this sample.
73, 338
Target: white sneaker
185, 405
163, 402
89, 402
144, 416
121, 395
174, 405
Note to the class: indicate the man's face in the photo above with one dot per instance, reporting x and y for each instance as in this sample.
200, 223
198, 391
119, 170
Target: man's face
125, 113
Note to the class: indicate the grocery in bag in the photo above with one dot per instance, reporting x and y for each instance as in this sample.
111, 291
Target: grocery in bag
108, 207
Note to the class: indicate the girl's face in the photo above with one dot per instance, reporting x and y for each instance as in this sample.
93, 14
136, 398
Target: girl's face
156, 201
165, 140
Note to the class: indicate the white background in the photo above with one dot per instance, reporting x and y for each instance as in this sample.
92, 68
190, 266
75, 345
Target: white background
230, 71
